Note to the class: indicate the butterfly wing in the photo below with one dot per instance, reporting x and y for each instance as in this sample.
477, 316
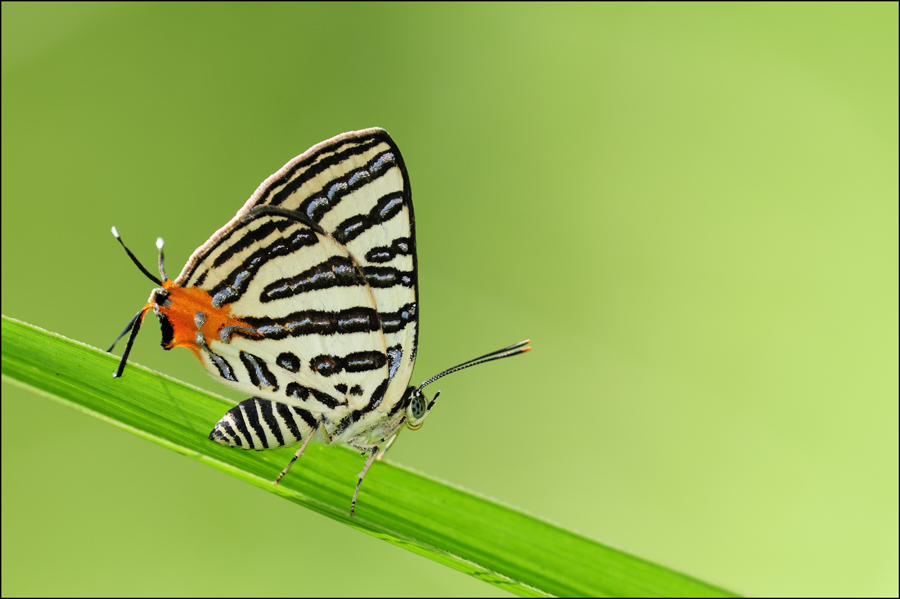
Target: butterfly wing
319, 267
356, 187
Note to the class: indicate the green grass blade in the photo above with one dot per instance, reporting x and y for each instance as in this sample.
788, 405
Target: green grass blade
493, 542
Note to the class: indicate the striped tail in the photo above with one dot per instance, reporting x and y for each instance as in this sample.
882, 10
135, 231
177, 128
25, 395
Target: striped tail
259, 424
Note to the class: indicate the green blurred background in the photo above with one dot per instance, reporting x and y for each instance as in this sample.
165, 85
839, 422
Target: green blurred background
691, 210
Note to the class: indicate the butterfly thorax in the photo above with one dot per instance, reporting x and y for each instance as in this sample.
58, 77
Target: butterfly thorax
359, 428
187, 317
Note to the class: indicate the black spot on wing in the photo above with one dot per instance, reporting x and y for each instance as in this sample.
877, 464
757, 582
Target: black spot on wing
364, 360
325, 365
288, 361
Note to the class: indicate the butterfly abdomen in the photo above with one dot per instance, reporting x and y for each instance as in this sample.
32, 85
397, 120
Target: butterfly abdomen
259, 424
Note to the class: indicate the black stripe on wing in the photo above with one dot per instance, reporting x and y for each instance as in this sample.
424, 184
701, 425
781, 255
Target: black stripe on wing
310, 322
258, 371
317, 206
233, 286
388, 276
334, 190
387, 207
399, 247
224, 368
288, 417
394, 322
235, 237
343, 147
337, 271
361, 361
236, 415
293, 181
251, 237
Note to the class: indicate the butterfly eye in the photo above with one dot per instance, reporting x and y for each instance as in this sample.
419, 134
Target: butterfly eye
416, 411
417, 407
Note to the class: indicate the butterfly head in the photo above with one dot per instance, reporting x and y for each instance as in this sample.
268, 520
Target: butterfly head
418, 408
182, 311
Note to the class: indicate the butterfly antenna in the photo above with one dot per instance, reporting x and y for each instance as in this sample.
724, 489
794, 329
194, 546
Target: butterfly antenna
500, 351
125, 331
512, 350
162, 269
135, 260
134, 326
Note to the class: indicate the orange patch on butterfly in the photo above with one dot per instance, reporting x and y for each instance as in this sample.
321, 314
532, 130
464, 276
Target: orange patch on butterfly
182, 311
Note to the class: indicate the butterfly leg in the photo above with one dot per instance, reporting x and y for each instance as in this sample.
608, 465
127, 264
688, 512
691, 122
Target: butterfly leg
388, 446
324, 432
362, 475
298, 454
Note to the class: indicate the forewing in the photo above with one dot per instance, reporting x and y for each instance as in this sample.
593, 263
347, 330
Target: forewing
298, 287
355, 186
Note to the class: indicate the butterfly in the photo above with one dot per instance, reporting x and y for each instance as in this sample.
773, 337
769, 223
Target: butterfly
308, 300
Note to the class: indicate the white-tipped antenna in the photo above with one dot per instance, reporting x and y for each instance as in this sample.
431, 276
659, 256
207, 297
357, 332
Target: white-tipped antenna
146, 272
512, 350
162, 270
135, 324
